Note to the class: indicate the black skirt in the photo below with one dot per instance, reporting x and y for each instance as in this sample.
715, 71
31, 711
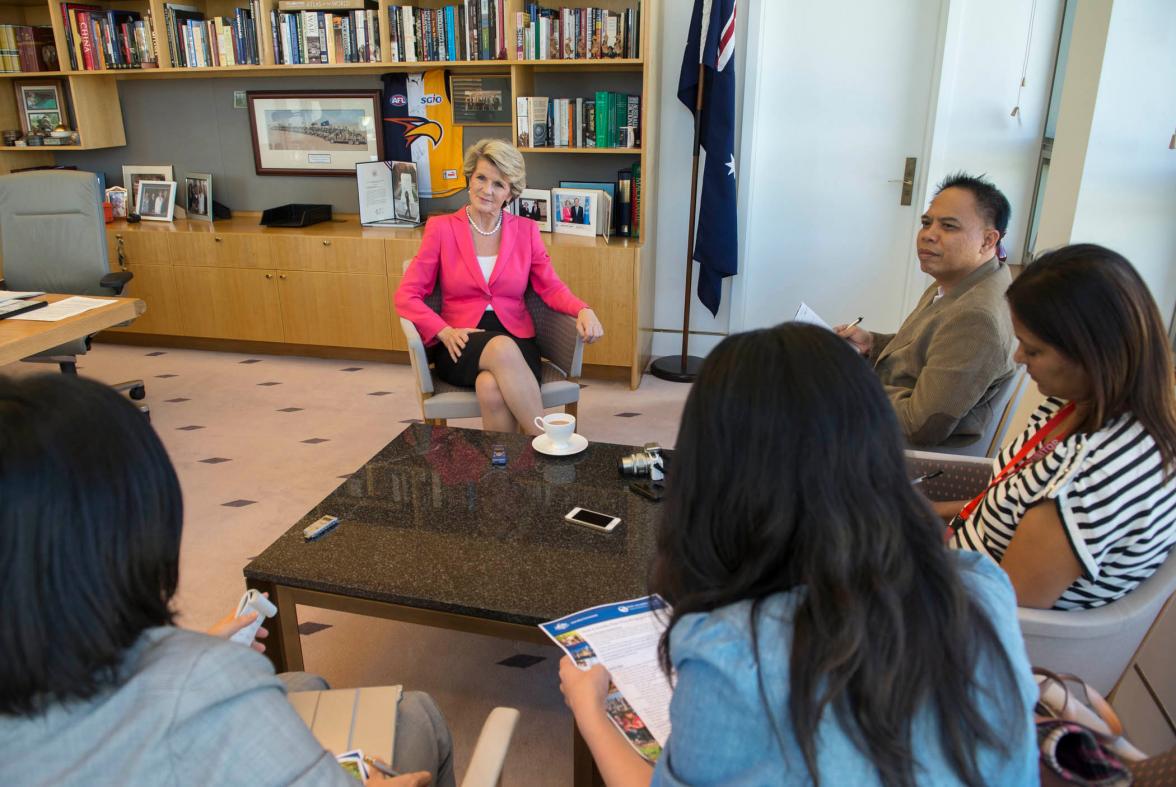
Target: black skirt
465, 370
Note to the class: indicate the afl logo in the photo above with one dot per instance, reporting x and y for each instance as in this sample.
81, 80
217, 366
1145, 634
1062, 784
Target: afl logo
398, 100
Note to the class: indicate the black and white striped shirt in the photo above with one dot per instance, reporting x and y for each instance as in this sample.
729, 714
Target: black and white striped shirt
1118, 511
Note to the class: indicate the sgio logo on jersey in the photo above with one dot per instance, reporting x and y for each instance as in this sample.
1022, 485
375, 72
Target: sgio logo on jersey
432, 99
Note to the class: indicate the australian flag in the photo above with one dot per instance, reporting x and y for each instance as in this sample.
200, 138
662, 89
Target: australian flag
712, 42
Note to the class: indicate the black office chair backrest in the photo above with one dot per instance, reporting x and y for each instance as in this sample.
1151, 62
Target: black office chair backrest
52, 232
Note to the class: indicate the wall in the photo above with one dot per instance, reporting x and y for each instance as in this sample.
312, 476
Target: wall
192, 125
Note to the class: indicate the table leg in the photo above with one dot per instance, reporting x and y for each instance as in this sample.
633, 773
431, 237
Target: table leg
584, 771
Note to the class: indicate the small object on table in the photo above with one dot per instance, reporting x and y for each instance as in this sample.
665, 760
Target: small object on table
319, 527
133, 218
498, 454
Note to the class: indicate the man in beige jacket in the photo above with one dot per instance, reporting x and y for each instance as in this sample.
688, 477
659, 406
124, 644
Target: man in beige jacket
951, 355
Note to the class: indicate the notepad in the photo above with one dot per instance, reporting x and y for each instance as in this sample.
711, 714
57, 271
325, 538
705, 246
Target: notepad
8, 295
67, 307
806, 314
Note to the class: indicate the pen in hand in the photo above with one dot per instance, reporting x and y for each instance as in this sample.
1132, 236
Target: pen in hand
381, 766
926, 477
852, 324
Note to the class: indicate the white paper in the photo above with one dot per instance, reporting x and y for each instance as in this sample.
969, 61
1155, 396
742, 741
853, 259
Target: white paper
9, 295
624, 638
806, 314
60, 310
375, 192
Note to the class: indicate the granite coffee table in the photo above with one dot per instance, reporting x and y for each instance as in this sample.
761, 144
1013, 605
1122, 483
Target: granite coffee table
432, 533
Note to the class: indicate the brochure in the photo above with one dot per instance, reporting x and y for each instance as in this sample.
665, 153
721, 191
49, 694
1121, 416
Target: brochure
388, 194
624, 637
806, 314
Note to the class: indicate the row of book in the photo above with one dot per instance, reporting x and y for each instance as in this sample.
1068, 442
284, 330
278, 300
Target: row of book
194, 41
577, 33
326, 31
610, 120
472, 30
101, 39
27, 48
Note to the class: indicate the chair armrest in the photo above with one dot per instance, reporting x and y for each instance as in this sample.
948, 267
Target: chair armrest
116, 281
418, 356
556, 335
490, 751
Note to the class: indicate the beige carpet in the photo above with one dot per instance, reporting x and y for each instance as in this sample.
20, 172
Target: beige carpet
258, 440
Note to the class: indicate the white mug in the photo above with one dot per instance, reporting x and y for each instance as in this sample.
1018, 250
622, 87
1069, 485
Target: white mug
559, 427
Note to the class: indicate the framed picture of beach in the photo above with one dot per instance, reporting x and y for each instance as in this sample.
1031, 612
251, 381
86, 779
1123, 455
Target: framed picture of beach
314, 132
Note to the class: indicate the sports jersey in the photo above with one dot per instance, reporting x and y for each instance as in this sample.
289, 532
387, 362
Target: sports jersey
418, 127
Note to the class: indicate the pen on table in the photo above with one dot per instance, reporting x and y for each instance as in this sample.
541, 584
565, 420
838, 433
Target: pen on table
381, 766
926, 477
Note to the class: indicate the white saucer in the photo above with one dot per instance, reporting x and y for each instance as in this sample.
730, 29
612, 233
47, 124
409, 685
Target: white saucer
576, 444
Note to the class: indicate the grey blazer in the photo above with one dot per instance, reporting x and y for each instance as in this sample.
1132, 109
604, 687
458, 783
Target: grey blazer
943, 367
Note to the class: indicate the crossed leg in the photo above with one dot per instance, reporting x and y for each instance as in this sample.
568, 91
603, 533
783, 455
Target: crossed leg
507, 391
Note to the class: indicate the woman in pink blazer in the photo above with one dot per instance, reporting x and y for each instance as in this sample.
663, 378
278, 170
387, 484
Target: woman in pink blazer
485, 258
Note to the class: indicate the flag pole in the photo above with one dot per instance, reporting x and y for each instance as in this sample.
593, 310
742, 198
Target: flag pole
684, 368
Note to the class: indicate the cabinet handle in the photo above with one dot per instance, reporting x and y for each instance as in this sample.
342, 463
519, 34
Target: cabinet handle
269, 275
281, 275
326, 243
217, 239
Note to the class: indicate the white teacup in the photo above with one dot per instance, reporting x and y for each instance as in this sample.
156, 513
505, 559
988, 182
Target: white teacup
559, 427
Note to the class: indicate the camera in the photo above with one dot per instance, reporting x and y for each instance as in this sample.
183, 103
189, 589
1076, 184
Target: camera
648, 461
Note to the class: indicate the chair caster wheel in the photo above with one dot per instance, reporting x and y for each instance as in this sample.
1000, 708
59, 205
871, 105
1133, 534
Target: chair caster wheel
138, 392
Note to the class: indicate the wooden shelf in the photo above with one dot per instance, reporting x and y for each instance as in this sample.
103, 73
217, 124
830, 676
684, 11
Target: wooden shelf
33, 74
586, 64
42, 148
597, 151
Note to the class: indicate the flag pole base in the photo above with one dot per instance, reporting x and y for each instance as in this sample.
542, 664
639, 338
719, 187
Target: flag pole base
670, 368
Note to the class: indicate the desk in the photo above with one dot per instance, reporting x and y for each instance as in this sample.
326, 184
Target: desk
431, 533
22, 338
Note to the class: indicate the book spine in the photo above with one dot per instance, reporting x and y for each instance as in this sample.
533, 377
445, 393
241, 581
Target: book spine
500, 31
633, 119
450, 33
86, 38
522, 123
26, 48
635, 203
624, 210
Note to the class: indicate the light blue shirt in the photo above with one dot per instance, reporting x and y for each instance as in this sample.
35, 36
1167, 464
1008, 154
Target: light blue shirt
722, 734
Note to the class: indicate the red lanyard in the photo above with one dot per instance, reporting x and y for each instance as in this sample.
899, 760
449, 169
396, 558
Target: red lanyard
1017, 461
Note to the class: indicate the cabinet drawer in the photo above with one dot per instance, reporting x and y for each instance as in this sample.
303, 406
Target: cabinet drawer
155, 286
139, 248
192, 249
329, 255
243, 251
336, 309
229, 303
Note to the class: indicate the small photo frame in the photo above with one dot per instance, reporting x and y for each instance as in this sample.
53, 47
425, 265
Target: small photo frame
481, 99
535, 204
41, 105
586, 212
156, 200
406, 197
117, 197
198, 196
133, 174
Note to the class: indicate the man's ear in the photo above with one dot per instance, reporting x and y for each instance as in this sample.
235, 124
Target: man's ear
991, 238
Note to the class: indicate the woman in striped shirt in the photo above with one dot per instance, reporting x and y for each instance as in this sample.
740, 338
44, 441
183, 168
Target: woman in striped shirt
1082, 505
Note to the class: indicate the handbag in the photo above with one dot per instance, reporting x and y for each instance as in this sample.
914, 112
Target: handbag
1081, 740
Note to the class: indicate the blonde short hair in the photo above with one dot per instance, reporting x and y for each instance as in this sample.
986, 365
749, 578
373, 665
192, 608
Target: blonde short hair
503, 155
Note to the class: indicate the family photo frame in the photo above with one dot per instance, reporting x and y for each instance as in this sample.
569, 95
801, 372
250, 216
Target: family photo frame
41, 105
314, 132
535, 204
134, 174
156, 200
198, 196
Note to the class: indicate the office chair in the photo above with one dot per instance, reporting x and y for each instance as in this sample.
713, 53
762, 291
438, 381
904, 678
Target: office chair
53, 239
560, 345
1004, 405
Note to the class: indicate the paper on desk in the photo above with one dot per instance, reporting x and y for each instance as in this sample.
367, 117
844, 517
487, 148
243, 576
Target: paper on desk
624, 638
59, 310
11, 295
806, 314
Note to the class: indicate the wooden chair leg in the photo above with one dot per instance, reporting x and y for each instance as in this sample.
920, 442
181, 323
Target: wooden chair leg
573, 409
435, 421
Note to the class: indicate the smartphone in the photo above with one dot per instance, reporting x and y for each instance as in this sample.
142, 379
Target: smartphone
648, 489
594, 520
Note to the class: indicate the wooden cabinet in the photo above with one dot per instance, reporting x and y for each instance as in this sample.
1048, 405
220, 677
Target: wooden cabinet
154, 285
336, 309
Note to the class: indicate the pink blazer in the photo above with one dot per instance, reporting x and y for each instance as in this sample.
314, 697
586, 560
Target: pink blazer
447, 251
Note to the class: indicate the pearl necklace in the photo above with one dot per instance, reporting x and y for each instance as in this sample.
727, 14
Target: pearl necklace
478, 229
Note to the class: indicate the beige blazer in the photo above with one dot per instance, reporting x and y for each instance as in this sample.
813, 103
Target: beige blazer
943, 367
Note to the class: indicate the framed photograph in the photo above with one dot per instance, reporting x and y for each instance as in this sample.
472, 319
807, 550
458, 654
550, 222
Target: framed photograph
405, 194
156, 199
117, 197
314, 132
389, 195
584, 212
535, 204
133, 174
480, 99
608, 188
41, 105
198, 196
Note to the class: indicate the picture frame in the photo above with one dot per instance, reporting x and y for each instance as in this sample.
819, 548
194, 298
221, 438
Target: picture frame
481, 99
133, 174
118, 198
41, 105
535, 204
156, 200
389, 194
198, 196
314, 132
585, 212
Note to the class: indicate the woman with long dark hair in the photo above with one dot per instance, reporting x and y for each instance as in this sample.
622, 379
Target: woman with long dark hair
820, 632
1082, 505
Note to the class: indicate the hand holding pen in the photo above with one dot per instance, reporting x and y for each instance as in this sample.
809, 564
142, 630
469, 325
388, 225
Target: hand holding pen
862, 340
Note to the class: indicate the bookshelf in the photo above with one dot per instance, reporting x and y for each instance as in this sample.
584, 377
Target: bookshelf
96, 113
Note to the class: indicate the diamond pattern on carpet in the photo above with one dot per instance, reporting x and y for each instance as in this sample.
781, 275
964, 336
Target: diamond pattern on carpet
290, 410
316, 440
238, 503
214, 460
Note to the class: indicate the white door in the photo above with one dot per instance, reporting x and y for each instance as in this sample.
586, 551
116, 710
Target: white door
840, 100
